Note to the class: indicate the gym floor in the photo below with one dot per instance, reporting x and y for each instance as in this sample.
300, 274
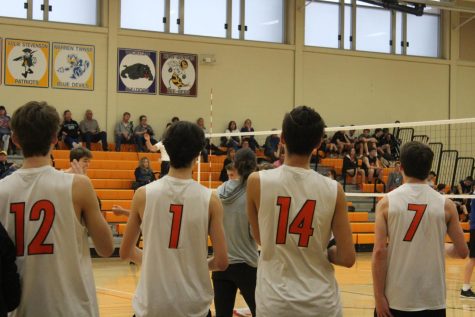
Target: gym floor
116, 281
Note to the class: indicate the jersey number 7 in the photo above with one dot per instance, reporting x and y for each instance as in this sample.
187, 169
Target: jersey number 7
37, 245
301, 225
420, 210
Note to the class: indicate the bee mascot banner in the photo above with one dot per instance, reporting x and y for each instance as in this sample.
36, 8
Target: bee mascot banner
136, 71
26, 63
179, 74
73, 66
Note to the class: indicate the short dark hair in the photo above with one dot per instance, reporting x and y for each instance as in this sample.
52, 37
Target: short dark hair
65, 111
79, 153
416, 159
35, 125
183, 141
141, 117
126, 113
432, 173
302, 130
175, 119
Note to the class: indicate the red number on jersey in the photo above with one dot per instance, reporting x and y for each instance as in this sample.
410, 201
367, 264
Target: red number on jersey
419, 209
37, 245
177, 211
301, 225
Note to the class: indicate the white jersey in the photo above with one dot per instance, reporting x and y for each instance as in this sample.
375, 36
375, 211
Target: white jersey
174, 280
416, 253
163, 152
52, 247
294, 275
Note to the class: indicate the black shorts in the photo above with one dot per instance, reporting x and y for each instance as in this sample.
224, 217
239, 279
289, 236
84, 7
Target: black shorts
471, 243
421, 313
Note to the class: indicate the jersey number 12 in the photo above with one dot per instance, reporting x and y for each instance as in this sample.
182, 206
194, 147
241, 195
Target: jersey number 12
37, 245
301, 225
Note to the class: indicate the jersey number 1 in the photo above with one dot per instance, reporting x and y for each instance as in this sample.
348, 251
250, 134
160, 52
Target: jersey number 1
420, 210
301, 225
177, 211
37, 245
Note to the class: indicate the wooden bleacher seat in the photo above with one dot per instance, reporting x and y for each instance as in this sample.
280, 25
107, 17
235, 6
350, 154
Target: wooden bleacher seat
365, 238
465, 226
112, 183
111, 174
362, 227
205, 176
369, 188
113, 218
108, 194
358, 216
107, 204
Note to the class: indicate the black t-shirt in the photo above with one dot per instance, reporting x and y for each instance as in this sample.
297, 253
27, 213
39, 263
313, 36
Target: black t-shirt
338, 136
71, 128
465, 189
10, 289
4, 166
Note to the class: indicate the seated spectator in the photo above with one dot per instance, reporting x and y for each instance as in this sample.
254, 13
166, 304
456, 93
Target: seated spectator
331, 173
465, 187
395, 178
123, 132
327, 147
382, 145
80, 158
341, 141
10, 290
441, 188
204, 153
247, 127
392, 142
5, 131
351, 136
245, 144
159, 147
228, 160
91, 132
233, 141
4, 164
351, 168
271, 146
372, 165
367, 142
69, 131
140, 131
432, 179
143, 174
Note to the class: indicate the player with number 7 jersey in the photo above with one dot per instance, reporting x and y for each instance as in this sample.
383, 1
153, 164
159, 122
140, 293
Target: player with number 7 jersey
293, 211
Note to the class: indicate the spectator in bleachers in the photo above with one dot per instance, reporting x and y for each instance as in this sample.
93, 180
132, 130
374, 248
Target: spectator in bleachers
432, 179
367, 142
395, 178
91, 132
245, 144
123, 132
351, 136
80, 158
351, 167
331, 173
140, 130
247, 127
143, 174
175, 119
271, 146
441, 188
382, 144
4, 164
69, 131
204, 153
164, 158
372, 165
281, 156
341, 141
228, 160
327, 147
5, 130
233, 141
465, 186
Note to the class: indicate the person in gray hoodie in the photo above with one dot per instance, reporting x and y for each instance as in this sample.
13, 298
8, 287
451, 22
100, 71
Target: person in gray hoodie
242, 249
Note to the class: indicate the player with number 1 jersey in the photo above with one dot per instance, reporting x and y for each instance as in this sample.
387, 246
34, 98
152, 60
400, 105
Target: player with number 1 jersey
176, 214
293, 211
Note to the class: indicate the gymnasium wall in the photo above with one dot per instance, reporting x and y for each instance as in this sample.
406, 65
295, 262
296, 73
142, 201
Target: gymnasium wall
257, 80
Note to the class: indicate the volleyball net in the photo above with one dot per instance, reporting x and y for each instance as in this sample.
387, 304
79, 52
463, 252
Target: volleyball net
452, 141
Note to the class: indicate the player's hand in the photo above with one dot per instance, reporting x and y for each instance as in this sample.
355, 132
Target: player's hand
76, 168
382, 307
146, 137
118, 210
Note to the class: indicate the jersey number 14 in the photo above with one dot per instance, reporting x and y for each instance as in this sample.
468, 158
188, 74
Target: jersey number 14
301, 224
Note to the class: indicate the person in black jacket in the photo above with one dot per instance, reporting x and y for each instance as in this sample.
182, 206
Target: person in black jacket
69, 131
351, 168
10, 290
4, 164
143, 174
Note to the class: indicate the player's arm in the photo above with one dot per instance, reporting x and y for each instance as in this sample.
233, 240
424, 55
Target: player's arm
128, 248
219, 260
148, 144
87, 206
343, 253
380, 259
458, 249
253, 201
